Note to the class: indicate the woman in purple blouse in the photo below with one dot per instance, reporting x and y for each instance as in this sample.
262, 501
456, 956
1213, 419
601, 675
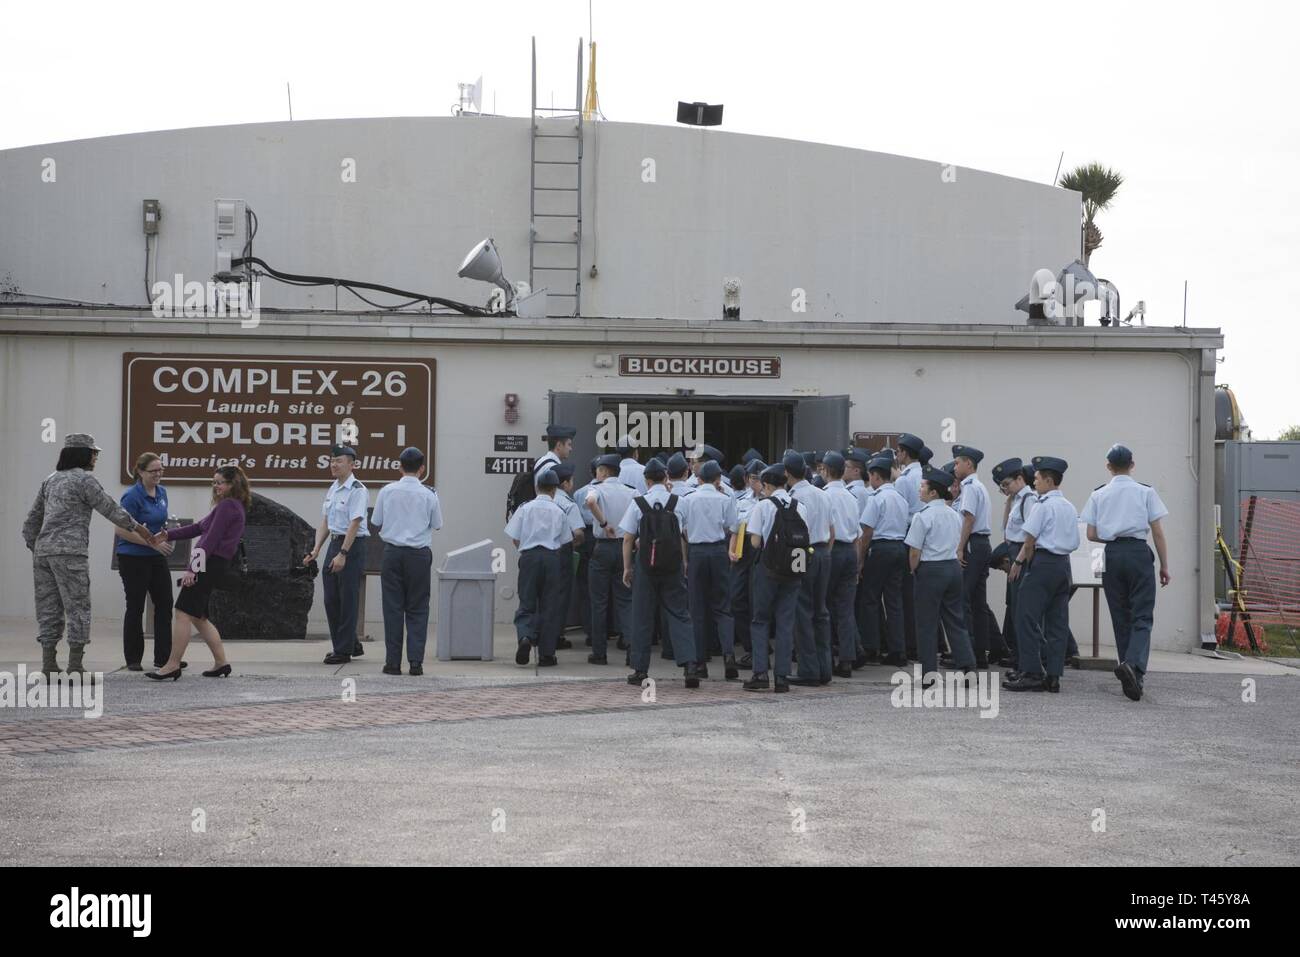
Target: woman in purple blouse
218, 535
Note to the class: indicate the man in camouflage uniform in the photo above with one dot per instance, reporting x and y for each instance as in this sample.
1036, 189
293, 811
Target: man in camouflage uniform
57, 531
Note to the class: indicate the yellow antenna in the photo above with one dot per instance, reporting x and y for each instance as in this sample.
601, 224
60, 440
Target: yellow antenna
591, 105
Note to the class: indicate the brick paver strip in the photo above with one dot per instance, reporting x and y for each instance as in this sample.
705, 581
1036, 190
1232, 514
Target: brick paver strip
367, 711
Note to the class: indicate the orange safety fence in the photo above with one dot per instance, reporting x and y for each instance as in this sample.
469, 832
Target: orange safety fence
1268, 559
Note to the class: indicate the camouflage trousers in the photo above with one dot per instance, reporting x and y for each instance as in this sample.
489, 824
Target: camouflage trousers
62, 592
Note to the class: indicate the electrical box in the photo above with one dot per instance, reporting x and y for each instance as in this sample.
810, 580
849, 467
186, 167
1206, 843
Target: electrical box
152, 215
231, 226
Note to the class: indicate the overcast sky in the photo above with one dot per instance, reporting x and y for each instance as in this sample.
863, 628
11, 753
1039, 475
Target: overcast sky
1193, 103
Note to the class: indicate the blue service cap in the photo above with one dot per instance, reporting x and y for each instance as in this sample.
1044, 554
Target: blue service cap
343, 450
809, 460
560, 432
1007, 469
926, 455
775, 474
888, 453
881, 462
833, 461
1001, 554
595, 463
564, 471
751, 456
677, 466
710, 470
911, 442
1029, 471
1120, 456
411, 457
737, 476
951, 468
855, 454
655, 471
609, 461
548, 479
755, 467
1050, 462
794, 464
817, 481
967, 451
713, 454
938, 477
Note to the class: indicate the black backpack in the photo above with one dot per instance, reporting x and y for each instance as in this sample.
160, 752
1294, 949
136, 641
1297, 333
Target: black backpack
522, 489
661, 537
789, 536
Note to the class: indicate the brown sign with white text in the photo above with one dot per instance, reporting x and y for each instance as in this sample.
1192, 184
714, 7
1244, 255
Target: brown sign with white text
276, 418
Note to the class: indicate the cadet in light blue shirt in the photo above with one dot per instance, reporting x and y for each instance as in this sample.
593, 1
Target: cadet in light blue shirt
343, 522
882, 557
608, 500
812, 625
842, 585
539, 528
407, 513
908, 484
1043, 606
563, 498
708, 519
1009, 475
775, 599
932, 555
1120, 513
974, 552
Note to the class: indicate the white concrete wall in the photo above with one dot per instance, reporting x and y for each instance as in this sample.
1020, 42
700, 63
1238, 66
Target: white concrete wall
1074, 404
868, 236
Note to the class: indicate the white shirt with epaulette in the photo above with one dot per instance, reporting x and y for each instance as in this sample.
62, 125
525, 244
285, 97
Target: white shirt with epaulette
1123, 508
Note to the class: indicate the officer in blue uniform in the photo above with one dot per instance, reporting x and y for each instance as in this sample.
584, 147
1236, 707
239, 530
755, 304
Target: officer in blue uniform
1010, 479
908, 484
842, 585
932, 539
1043, 606
608, 501
883, 557
343, 523
742, 568
564, 499
1121, 513
973, 551
654, 596
775, 599
582, 585
708, 520
538, 529
813, 623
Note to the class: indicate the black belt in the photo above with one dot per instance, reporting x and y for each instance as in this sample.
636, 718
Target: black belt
609, 541
979, 535
335, 536
1116, 541
720, 541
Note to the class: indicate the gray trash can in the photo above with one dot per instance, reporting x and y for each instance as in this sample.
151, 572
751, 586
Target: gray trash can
466, 592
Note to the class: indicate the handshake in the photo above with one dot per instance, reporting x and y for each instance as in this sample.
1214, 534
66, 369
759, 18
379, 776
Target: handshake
159, 541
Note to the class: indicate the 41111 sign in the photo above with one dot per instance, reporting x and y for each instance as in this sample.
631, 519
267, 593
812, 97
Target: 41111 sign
507, 464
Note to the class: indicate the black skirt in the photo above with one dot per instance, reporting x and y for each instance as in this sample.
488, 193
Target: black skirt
194, 600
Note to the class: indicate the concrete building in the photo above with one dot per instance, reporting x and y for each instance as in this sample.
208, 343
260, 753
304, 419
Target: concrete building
908, 274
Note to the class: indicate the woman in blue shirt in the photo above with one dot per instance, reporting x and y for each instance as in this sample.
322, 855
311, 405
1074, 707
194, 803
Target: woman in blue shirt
144, 569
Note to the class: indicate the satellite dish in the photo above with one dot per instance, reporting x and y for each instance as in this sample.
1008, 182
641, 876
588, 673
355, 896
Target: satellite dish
476, 94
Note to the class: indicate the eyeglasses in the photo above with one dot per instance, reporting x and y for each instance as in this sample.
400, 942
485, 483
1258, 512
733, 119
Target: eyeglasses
156, 471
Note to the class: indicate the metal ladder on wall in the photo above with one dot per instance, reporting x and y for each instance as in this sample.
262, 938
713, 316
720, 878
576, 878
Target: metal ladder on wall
555, 195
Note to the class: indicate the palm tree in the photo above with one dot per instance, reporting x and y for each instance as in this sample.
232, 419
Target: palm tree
1099, 184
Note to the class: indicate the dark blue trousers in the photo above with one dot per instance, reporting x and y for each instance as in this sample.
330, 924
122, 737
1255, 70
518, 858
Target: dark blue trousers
882, 578
342, 592
708, 580
405, 582
538, 616
605, 584
775, 605
812, 627
1043, 614
664, 598
742, 605
841, 593
975, 597
1130, 585
939, 598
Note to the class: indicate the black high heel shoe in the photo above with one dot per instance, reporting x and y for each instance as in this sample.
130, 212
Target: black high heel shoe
160, 677
222, 672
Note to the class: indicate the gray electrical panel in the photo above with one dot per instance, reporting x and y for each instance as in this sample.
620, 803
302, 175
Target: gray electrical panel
1263, 469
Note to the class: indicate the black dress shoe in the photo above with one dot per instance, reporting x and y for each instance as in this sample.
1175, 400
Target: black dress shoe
636, 677
804, 682
758, 682
222, 672
524, 652
691, 674
1053, 684
1073, 661
547, 661
139, 667
564, 644
357, 650
416, 671
1026, 683
730, 671
824, 681
184, 664
1008, 662
842, 671
894, 661
597, 660
170, 676
982, 662
702, 670
337, 659
1128, 678
392, 670
781, 685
